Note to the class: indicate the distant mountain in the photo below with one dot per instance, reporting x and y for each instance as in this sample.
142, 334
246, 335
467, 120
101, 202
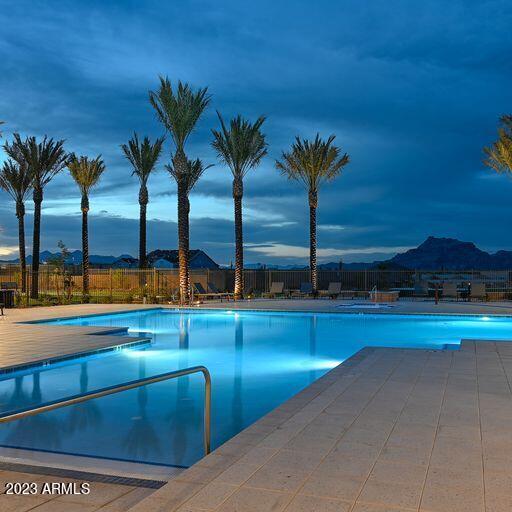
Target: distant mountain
439, 254
271, 266
75, 258
433, 254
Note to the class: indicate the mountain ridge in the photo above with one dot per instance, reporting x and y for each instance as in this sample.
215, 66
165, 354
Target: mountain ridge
435, 253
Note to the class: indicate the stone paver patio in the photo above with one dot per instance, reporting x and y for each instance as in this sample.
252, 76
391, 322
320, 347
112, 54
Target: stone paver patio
389, 430
22, 344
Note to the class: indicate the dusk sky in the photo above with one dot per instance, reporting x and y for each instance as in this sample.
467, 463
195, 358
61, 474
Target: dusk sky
412, 91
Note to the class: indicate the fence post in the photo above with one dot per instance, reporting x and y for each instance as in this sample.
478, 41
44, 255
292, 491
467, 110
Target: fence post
110, 280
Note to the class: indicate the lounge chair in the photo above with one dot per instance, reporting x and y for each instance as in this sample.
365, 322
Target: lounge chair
201, 293
333, 291
213, 289
450, 290
305, 290
276, 289
478, 291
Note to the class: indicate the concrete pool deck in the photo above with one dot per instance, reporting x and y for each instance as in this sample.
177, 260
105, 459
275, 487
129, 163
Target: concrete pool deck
22, 344
388, 430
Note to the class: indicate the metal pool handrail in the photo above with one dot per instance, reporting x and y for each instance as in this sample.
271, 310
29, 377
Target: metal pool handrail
57, 404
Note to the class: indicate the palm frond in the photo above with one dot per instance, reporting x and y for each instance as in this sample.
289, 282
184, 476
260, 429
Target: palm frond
16, 180
86, 171
142, 155
499, 153
241, 146
45, 159
179, 109
312, 162
194, 170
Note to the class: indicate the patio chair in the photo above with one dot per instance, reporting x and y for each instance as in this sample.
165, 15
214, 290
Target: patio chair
213, 289
450, 290
421, 288
478, 291
201, 293
276, 288
305, 290
333, 291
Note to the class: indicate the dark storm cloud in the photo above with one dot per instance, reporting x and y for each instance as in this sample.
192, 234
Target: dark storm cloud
412, 90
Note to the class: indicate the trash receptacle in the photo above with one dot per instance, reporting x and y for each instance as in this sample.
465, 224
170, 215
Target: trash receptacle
7, 298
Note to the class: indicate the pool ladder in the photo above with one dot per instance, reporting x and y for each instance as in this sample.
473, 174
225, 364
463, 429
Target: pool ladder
57, 404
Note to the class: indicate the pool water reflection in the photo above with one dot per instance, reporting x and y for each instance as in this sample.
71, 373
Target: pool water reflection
257, 360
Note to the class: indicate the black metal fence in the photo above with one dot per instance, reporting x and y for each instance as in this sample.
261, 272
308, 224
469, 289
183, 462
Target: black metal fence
161, 285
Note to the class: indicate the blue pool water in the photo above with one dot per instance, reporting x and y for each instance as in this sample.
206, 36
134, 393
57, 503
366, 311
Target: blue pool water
257, 360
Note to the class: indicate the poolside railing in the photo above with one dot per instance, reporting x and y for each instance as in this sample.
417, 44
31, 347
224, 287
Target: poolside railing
9, 416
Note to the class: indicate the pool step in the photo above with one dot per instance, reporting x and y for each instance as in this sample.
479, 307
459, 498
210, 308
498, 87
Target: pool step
87, 468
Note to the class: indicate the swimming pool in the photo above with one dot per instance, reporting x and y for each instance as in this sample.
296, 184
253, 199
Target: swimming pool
257, 360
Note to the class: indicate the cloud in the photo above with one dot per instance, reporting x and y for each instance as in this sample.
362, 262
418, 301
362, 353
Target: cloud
8, 251
412, 92
282, 224
330, 227
278, 250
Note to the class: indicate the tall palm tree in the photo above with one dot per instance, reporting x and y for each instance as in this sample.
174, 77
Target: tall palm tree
241, 147
44, 160
499, 154
179, 109
86, 173
143, 157
16, 180
194, 170
312, 163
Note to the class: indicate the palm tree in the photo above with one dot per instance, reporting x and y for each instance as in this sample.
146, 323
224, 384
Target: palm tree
86, 173
499, 154
44, 161
179, 110
1, 122
312, 163
194, 170
16, 180
143, 157
241, 147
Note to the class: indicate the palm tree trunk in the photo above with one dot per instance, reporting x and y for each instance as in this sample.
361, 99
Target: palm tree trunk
143, 203
36, 242
20, 213
238, 191
180, 163
313, 203
85, 248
